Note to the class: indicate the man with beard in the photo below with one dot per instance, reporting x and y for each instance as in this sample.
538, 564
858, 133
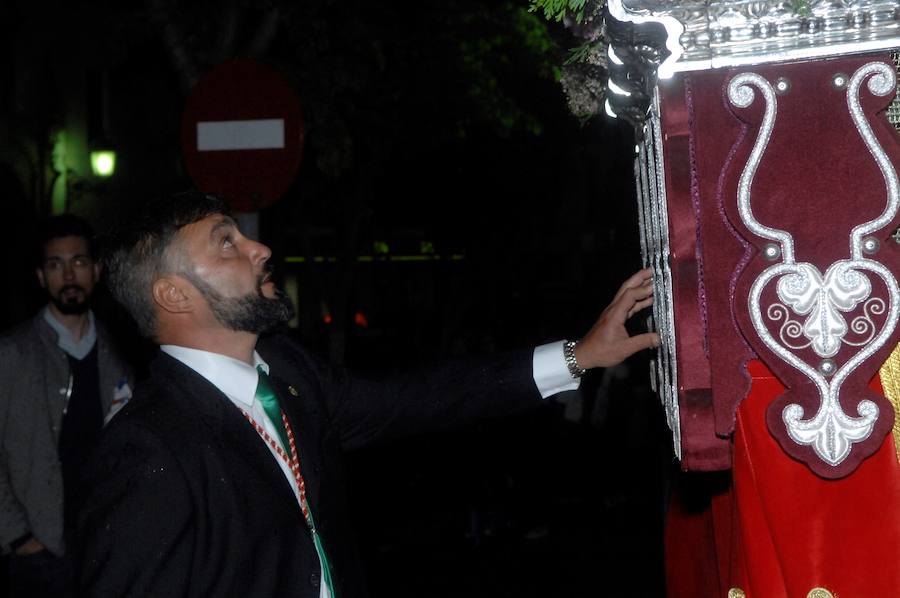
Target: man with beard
60, 379
223, 476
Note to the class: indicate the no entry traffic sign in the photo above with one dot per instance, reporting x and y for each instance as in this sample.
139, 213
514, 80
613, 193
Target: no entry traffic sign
242, 134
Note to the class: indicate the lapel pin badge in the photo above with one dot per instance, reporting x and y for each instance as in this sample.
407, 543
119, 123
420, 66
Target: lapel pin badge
293, 391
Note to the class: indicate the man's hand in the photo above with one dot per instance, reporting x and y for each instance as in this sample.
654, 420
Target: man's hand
32, 546
608, 343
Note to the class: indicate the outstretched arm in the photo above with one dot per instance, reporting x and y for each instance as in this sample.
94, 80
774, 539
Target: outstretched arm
608, 343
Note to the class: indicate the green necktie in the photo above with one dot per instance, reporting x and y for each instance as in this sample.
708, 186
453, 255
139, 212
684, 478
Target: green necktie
265, 394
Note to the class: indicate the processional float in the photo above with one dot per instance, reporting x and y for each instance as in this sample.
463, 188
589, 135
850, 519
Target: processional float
767, 168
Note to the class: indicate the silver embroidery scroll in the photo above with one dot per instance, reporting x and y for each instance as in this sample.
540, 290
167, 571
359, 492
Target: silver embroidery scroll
819, 300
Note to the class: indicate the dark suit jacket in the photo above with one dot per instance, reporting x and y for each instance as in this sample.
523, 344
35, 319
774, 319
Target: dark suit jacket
188, 501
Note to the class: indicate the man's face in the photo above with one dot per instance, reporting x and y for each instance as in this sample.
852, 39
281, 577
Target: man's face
68, 274
232, 274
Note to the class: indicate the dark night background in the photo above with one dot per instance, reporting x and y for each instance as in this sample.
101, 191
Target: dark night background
432, 128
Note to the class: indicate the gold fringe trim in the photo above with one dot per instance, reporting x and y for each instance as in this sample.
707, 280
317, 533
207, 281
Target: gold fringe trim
890, 380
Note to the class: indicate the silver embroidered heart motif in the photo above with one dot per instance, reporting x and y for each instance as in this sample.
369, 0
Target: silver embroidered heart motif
830, 431
822, 300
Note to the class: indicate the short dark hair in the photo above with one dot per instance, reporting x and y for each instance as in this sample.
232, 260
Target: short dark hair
137, 253
63, 225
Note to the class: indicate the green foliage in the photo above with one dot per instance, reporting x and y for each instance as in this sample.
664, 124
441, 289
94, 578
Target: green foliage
555, 10
583, 73
583, 53
491, 60
801, 7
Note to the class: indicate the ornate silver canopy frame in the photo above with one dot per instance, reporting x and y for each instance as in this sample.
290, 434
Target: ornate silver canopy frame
651, 40
713, 34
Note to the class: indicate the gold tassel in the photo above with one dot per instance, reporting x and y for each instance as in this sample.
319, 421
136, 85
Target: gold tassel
890, 380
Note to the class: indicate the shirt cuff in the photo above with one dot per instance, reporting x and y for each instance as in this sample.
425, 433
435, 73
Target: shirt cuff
551, 374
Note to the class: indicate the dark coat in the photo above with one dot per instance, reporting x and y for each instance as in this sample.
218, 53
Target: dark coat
188, 501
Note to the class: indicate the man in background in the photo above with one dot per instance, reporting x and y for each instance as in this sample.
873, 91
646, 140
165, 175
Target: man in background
60, 380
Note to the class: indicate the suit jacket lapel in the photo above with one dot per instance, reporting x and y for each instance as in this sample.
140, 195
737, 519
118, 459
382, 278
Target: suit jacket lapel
302, 415
226, 421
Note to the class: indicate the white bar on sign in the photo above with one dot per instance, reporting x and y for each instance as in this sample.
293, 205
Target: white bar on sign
266, 133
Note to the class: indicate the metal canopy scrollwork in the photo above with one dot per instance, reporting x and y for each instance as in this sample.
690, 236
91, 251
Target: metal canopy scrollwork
894, 108
721, 33
816, 299
655, 249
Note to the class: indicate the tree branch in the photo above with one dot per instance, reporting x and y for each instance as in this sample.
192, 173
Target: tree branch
268, 27
224, 47
174, 42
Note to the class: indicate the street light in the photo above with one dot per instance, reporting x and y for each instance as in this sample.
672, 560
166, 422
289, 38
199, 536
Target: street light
103, 163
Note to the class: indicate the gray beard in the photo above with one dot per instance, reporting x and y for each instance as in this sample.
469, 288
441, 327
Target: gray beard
254, 313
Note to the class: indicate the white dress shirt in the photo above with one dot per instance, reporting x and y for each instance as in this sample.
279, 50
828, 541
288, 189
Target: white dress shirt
237, 381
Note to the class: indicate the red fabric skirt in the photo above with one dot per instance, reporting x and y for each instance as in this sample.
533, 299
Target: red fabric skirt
778, 530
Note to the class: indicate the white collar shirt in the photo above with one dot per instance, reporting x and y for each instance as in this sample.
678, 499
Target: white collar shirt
66, 340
